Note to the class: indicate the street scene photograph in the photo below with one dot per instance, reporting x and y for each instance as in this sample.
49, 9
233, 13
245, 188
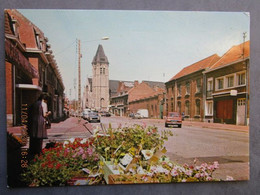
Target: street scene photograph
102, 97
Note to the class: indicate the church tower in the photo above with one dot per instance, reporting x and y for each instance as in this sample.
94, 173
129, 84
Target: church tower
100, 80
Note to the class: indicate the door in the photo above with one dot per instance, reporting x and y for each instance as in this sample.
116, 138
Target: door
241, 111
224, 110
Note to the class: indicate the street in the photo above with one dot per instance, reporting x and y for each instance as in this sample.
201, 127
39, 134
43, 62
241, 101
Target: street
229, 147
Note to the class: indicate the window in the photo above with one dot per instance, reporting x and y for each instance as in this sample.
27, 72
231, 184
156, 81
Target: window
187, 108
241, 79
100, 70
220, 83
198, 86
179, 90
230, 81
172, 106
209, 108
210, 84
187, 88
197, 111
103, 70
179, 107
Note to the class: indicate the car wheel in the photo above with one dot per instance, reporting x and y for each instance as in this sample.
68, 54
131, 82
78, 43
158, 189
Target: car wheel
166, 125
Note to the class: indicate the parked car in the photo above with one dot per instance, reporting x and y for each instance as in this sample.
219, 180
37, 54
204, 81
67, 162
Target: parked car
173, 118
106, 114
93, 117
86, 113
137, 116
143, 113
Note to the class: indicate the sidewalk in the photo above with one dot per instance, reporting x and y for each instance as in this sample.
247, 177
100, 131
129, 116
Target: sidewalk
208, 125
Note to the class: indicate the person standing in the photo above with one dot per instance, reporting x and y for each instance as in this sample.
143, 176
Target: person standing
46, 113
36, 127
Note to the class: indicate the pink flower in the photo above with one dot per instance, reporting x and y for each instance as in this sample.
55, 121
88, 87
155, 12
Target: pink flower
174, 173
84, 156
188, 172
197, 175
90, 151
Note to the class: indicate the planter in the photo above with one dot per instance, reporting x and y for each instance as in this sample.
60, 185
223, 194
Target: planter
108, 169
78, 181
130, 179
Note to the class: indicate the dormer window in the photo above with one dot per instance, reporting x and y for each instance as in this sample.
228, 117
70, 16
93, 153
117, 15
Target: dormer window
15, 26
37, 38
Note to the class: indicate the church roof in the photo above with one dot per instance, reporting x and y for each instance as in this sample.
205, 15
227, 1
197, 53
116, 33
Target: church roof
100, 56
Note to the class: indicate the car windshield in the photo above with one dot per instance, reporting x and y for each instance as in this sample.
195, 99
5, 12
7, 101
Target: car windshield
174, 115
93, 114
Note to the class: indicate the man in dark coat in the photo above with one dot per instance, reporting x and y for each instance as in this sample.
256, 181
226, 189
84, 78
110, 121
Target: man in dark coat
36, 127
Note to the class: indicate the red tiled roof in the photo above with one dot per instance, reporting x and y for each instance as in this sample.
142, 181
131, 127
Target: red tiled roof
234, 54
200, 65
26, 29
139, 91
143, 91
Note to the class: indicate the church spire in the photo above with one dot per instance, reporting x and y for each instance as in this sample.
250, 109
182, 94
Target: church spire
100, 56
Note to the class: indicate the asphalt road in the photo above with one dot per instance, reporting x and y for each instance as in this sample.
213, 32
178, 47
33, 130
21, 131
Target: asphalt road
229, 148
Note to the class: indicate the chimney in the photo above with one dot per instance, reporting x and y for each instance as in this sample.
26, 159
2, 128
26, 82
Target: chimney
136, 83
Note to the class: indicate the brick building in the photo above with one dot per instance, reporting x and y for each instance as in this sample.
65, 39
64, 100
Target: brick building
30, 68
147, 95
227, 91
119, 101
185, 89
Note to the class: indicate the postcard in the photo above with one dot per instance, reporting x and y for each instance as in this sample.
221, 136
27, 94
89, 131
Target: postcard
101, 97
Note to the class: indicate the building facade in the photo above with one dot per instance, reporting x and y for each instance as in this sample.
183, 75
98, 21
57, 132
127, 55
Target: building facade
30, 68
227, 87
147, 95
185, 90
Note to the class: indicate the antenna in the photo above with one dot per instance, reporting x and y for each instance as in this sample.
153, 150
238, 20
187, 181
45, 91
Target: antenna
244, 39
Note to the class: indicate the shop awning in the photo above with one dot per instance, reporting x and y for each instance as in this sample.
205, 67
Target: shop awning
28, 87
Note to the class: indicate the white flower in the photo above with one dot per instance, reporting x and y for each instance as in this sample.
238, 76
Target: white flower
184, 180
229, 178
216, 165
65, 143
72, 140
83, 141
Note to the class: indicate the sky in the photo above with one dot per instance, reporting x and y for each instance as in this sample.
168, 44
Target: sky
142, 45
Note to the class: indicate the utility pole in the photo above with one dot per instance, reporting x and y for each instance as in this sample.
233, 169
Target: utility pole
244, 39
79, 84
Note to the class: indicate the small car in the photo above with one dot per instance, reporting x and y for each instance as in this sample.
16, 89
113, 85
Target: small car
173, 118
105, 114
93, 117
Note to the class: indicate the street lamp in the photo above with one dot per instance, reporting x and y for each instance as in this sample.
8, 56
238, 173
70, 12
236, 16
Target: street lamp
104, 38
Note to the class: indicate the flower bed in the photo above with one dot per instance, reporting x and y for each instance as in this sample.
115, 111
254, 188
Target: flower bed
125, 155
58, 164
